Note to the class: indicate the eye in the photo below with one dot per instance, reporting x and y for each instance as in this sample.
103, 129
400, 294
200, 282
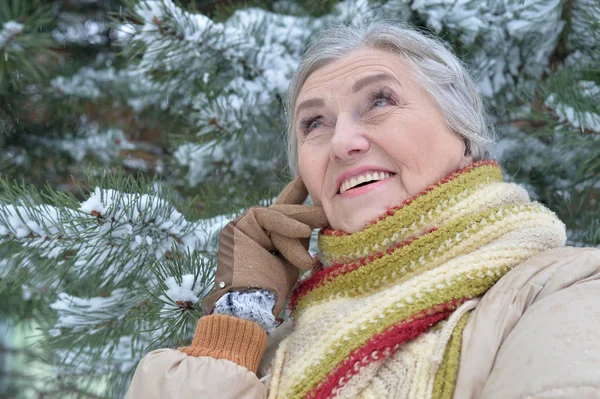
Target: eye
381, 98
310, 123
380, 102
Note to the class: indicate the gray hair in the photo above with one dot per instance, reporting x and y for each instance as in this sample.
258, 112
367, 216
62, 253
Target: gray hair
436, 68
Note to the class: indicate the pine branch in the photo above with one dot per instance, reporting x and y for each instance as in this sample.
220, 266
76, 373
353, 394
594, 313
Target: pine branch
110, 248
20, 39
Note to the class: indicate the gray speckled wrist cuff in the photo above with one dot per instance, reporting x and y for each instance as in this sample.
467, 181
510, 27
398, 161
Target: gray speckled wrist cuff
256, 306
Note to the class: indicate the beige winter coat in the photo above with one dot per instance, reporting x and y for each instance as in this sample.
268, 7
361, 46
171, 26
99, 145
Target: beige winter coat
535, 334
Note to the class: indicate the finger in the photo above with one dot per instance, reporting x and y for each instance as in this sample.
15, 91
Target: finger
293, 250
249, 225
277, 222
313, 216
294, 193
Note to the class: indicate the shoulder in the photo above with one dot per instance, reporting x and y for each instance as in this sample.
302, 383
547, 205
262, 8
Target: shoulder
536, 322
550, 270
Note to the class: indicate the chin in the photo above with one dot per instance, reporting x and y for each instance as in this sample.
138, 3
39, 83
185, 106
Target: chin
359, 222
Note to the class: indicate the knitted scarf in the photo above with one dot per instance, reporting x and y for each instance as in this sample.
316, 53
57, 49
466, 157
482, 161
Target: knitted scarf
383, 311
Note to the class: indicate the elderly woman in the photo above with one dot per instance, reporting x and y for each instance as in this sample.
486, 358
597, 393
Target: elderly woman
434, 277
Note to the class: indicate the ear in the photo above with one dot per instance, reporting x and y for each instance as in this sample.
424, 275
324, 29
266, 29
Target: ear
467, 158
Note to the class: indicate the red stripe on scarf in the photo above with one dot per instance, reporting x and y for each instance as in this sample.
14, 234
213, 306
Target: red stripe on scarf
390, 339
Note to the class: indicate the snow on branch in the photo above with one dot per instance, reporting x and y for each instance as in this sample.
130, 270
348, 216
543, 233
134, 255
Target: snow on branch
111, 234
88, 82
584, 34
142, 220
121, 358
34, 225
89, 139
516, 37
112, 239
183, 294
262, 47
580, 119
178, 285
73, 29
83, 315
9, 31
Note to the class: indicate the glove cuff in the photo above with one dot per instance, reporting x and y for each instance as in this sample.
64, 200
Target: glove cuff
252, 305
225, 337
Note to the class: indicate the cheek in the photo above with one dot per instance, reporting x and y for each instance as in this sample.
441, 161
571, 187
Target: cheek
312, 174
412, 140
312, 170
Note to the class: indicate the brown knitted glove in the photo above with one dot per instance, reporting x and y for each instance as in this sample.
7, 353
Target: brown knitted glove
264, 247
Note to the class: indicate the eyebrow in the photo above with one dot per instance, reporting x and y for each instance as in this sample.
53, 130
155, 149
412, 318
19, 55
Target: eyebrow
360, 84
312, 103
357, 86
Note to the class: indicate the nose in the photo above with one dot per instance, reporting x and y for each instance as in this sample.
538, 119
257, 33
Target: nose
348, 141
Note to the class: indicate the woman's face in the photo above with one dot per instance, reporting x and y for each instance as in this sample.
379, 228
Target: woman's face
370, 137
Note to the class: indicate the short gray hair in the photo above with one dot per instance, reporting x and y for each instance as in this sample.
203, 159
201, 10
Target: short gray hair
435, 67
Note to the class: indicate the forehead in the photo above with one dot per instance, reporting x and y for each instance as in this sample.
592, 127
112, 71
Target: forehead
341, 74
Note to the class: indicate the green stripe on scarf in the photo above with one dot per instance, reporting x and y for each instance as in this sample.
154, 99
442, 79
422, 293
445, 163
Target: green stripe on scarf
445, 380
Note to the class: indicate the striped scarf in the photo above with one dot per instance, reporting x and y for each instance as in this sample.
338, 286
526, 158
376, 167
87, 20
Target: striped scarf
383, 311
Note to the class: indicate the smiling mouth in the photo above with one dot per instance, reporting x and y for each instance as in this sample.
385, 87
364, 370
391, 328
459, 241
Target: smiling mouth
352, 184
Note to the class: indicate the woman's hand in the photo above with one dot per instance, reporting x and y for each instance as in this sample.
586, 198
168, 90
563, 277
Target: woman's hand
264, 247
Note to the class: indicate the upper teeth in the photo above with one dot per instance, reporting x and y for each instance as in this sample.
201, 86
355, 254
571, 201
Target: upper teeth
353, 181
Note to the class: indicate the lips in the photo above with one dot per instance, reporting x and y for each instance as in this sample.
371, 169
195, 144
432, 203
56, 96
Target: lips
359, 176
362, 179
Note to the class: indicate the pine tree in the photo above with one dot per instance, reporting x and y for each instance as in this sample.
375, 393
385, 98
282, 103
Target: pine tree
133, 130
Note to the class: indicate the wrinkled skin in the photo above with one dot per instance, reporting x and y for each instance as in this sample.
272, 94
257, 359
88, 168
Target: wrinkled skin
386, 124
